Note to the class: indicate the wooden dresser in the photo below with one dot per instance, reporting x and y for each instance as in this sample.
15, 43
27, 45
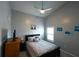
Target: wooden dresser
12, 48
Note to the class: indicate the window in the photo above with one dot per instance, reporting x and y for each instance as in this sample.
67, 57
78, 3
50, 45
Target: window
50, 34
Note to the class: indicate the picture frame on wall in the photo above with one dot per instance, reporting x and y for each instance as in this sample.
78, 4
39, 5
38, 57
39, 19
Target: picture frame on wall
33, 27
67, 32
59, 29
76, 28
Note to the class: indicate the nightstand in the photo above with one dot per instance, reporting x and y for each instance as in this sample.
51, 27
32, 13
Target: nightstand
12, 48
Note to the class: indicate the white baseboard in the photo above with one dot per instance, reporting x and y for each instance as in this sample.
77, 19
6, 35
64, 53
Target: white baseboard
68, 53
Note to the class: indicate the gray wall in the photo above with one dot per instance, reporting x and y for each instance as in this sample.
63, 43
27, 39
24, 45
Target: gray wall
66, 17
5, 19
22, 23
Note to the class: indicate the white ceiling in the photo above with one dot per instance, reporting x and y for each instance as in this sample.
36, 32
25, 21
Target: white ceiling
28, 6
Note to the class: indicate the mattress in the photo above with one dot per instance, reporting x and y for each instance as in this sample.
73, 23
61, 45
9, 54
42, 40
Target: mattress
39, 48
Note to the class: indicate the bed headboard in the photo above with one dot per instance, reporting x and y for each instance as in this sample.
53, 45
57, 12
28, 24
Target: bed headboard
26, 36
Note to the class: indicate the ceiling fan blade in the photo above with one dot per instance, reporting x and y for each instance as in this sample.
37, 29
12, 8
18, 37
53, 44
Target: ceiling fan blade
48, 9
37, 8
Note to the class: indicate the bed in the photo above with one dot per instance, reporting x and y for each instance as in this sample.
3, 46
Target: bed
41, 48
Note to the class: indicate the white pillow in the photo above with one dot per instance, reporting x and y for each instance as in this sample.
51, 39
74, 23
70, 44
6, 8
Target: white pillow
36, 39
30, 39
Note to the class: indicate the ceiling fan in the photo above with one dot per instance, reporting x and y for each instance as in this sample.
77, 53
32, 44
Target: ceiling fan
42, 10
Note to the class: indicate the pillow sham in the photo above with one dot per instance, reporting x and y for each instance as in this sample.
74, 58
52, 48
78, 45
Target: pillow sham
30, 39
36, 39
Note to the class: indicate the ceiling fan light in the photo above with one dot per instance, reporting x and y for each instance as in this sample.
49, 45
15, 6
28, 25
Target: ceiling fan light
42, 11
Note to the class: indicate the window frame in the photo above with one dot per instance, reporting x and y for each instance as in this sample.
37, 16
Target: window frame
50, 33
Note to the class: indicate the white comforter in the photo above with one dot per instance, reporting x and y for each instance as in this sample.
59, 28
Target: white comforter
39, 48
